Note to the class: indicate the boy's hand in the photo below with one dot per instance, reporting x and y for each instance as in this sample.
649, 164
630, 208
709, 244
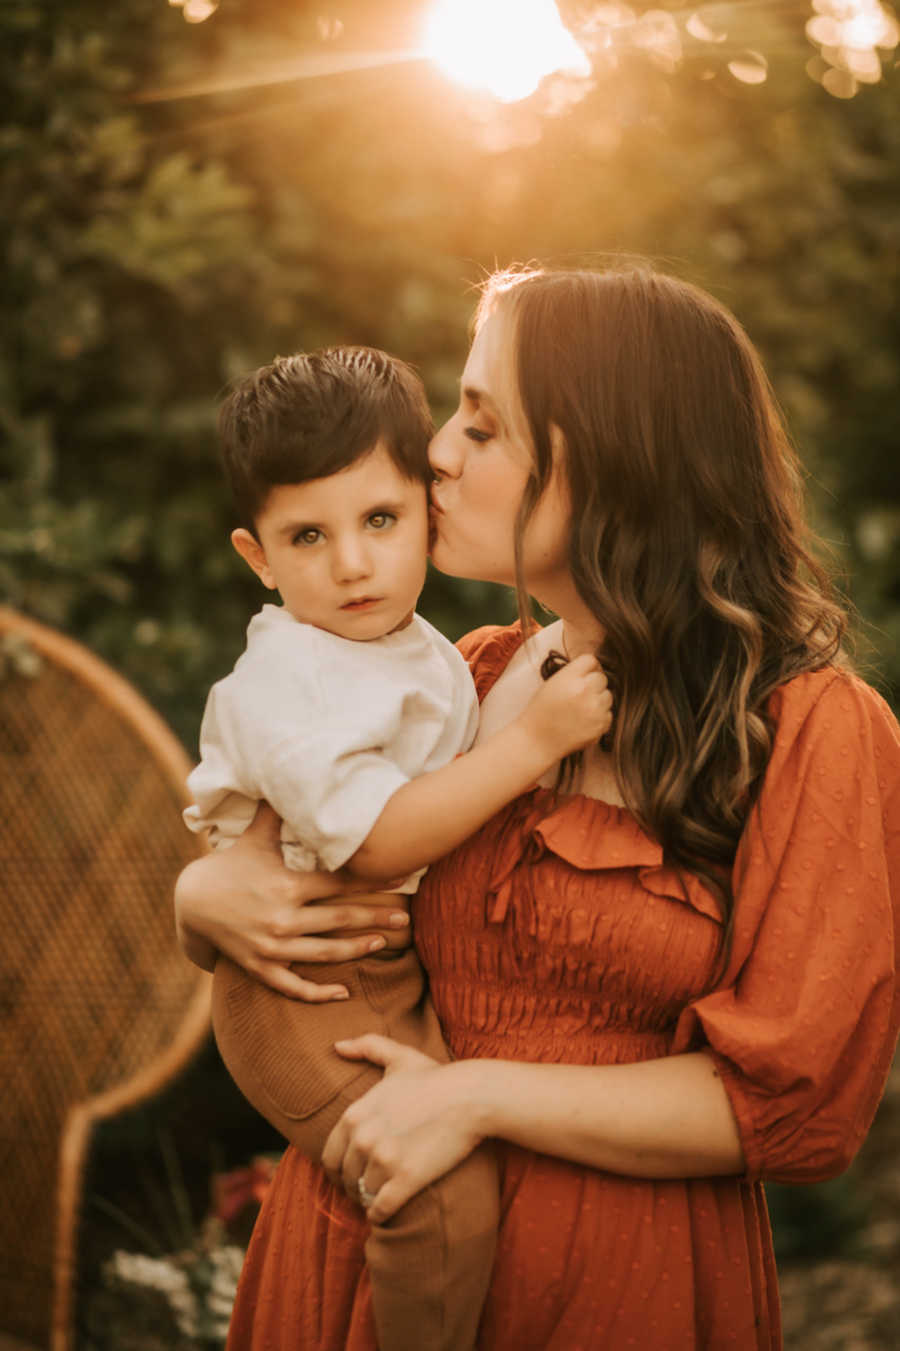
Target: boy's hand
573, 708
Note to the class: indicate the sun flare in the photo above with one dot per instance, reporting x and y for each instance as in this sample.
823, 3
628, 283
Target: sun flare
505, 47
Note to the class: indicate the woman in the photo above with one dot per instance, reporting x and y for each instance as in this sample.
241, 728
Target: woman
667, 971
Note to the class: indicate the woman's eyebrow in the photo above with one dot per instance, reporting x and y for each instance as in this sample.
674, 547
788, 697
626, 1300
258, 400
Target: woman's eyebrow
481, 396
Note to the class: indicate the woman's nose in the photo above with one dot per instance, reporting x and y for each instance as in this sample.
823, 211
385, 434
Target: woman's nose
443, 453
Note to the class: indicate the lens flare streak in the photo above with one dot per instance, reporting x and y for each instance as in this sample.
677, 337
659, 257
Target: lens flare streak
507, 48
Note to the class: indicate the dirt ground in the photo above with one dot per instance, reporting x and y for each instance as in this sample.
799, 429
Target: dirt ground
854, 1305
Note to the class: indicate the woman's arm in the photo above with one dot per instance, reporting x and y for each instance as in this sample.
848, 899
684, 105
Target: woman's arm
195, 947
658, 1118
245, 903
435, 812
661, 1118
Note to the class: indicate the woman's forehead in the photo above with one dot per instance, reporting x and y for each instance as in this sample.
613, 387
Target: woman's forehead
489, 381
487, 377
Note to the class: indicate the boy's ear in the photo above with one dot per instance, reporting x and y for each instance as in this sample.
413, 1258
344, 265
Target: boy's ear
254, 555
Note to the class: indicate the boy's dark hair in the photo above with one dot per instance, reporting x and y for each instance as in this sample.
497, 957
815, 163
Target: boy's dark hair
310, 415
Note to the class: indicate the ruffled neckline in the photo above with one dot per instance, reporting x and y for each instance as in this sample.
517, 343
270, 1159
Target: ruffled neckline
584, 832
595, 836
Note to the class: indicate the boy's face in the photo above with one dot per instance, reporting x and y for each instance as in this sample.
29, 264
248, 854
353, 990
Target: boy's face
347, 552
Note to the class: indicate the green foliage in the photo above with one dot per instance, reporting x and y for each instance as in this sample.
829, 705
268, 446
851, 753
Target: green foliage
817, 1222
156, 249
114, 252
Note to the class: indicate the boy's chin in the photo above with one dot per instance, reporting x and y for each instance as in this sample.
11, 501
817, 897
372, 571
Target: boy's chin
404, 622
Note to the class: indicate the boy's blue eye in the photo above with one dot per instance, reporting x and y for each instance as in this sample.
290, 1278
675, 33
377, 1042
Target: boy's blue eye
380, 520
476, 434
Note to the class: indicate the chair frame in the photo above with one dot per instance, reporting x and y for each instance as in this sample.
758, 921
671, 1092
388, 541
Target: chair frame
123, 700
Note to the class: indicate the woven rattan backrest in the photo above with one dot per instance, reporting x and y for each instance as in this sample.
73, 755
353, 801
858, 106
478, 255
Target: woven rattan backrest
99, 1008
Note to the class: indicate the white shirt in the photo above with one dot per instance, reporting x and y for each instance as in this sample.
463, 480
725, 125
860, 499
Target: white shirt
326, 730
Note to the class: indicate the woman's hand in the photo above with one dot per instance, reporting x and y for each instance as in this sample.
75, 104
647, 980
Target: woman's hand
413, 1127
245, 903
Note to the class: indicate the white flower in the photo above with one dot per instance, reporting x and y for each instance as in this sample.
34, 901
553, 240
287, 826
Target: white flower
169, 1276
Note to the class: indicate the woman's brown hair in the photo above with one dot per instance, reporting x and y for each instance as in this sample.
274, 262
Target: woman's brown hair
688, 541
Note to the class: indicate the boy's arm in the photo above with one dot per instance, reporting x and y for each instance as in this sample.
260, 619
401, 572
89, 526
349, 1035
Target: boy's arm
433, 813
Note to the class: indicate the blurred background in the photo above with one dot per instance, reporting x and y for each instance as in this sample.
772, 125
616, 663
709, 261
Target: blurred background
189, 189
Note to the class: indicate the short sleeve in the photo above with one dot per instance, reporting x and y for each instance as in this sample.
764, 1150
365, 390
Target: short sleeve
331, 786
803, 1026
293, 729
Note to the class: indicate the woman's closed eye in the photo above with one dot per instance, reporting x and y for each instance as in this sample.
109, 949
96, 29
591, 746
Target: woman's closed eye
477, 434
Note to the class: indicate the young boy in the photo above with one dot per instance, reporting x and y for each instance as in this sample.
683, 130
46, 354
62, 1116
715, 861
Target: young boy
348, 714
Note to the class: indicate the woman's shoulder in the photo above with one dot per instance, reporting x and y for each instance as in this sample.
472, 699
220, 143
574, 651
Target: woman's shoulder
832, 732
488, 650
832, 701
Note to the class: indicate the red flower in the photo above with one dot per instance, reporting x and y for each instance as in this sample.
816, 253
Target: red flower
233, 1192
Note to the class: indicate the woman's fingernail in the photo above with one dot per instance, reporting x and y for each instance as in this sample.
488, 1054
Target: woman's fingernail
375, 944
399, 919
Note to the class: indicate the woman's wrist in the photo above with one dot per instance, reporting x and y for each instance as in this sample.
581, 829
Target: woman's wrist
477, 1088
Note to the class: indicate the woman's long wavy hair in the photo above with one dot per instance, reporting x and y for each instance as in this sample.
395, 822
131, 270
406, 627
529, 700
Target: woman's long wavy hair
688, 543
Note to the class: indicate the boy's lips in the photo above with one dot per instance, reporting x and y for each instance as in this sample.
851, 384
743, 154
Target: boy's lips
360, 603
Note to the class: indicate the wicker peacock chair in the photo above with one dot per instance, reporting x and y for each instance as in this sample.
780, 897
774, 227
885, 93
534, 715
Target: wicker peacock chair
99, 1008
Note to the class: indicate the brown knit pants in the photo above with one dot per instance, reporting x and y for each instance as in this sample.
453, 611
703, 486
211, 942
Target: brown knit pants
430, 1265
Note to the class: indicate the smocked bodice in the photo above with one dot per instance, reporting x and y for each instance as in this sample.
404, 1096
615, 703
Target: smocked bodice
556, 933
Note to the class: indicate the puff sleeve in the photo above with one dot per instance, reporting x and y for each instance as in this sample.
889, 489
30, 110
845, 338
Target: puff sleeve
803, 1026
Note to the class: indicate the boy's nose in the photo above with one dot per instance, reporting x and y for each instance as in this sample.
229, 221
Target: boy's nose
351, 561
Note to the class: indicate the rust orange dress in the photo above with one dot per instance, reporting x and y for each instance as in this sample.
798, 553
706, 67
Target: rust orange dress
556, 933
